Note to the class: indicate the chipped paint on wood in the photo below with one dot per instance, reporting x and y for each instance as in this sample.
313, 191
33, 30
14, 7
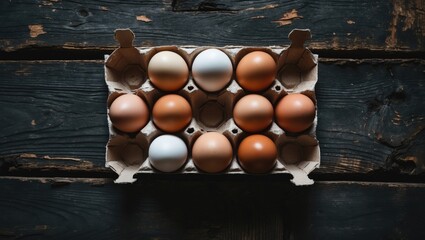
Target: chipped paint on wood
409, 13
287, 18
268, 6
258, 17
143, 18
28, 155
25, 71
47, 157
35, 30
55, 180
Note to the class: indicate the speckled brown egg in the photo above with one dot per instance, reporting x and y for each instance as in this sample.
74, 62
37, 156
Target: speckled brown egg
256, 71
295, 112
257, 154
171, 113
129, 113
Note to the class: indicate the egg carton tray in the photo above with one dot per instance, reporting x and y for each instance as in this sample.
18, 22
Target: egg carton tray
126, 72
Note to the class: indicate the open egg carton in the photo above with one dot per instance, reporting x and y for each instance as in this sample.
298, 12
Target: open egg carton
126, 71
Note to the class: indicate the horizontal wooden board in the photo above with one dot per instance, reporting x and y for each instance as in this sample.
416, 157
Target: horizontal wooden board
53, 121
361, 24
53, 209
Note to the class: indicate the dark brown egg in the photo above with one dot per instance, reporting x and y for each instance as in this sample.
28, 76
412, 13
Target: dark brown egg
257, 154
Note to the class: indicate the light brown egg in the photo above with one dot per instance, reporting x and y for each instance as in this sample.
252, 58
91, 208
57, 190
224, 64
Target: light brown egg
257, 154
212, 152
129, 113
256, 71
168, 71
171, 113
295, 112
253, 113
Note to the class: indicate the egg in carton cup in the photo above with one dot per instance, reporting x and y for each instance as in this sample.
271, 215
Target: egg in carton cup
130, 72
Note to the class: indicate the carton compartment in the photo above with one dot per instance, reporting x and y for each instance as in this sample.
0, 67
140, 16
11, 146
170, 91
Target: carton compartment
297, 67
125, 67
134, 76
299, 155
290, 75
211, 111
130, 151
294, 150
212, 114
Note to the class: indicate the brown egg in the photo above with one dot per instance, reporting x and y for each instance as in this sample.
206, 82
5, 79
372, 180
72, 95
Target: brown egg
257, 154
295, 112
168, 71
129, 113
171, 113
256, 71
212, 152
253, 113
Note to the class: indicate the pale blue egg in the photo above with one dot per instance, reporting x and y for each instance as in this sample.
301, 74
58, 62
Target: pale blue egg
167, 153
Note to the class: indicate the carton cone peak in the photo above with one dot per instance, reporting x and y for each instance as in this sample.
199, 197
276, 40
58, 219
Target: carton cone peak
125, 37
299, 36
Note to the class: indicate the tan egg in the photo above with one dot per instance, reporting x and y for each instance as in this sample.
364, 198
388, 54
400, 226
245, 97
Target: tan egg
295, 112
256, 71
257, 154
168, 71
212, 152
171, 113
129, 113
253, 113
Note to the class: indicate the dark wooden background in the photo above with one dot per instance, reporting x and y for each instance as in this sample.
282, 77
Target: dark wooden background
53, 129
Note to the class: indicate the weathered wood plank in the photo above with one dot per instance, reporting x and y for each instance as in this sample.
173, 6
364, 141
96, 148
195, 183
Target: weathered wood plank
371, 117
209, 210
361, 24
56, 111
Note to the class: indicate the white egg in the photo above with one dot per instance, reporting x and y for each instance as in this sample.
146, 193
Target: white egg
212, 70
167, 153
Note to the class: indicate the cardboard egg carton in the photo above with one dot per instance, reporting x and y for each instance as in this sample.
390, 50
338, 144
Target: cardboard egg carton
126, 72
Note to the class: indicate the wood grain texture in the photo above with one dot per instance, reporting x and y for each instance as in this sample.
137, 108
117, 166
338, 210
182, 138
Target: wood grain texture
361, 24
371, 117
55, 113
210, 210
375, 117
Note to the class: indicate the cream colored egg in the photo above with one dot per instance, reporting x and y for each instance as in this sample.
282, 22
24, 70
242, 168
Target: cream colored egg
168, 71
